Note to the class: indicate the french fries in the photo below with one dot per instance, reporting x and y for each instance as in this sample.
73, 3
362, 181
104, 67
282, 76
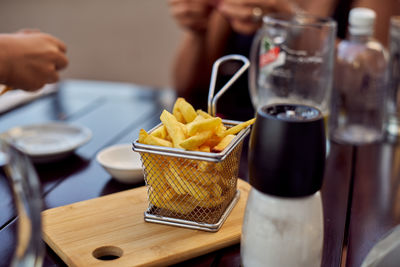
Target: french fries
210, 124
160, 132
187, 110
152, 140
237, 128
154, 172
205, 115
223, 143
167, 201
183, 185
174, 128
197, 140
192, 130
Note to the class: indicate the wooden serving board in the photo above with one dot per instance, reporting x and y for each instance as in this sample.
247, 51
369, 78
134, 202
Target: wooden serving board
114, 225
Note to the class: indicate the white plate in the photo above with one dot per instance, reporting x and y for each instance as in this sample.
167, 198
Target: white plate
49, 141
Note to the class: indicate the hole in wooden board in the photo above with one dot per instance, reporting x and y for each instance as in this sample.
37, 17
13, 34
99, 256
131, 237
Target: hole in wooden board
107, 253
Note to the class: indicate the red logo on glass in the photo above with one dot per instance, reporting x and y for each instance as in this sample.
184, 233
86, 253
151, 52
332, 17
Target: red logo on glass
270, 56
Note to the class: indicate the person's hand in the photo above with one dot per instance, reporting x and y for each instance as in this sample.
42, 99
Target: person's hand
29, 59
245, 16
192, 15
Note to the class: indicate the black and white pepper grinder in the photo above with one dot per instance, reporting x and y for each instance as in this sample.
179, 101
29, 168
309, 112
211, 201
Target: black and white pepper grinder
283, 221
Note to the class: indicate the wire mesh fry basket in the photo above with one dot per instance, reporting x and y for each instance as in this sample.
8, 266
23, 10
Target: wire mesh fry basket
194, 189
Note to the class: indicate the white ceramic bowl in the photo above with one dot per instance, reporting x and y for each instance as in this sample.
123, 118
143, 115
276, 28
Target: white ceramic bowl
122, 163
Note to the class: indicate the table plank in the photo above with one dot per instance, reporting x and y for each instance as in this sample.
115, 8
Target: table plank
38, 111
335, 195
7, 206
375, 205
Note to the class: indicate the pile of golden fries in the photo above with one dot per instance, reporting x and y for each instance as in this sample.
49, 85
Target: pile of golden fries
181, 185
190, 187
187, 129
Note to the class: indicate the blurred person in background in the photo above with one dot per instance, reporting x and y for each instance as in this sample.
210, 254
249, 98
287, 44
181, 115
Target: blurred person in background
214, 28
29, 59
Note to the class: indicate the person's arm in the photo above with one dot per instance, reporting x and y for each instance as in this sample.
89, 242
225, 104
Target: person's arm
30, 59
196, 54
384, 10
204, 37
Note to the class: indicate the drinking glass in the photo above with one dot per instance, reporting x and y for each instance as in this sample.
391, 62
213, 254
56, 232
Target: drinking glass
292, 60
393, 99
16, 167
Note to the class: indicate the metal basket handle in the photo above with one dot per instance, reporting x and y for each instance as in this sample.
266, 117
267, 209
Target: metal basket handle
212, 100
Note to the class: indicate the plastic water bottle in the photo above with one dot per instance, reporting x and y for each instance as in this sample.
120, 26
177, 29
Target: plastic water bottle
358, 105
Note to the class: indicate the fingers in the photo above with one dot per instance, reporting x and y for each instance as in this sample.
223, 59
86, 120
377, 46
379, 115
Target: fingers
267, 6
36, 59
191, 14
190, 9
57, 61
52, 77
57, 53
36, 80
60, 61
61, 46
245, 16
58, 43
33, 34
236, 12
241, 16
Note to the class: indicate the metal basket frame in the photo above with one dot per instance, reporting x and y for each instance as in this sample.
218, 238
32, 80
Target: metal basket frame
174, 156
192, 155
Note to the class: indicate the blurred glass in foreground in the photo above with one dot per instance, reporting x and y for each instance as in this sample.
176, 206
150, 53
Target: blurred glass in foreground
16, 167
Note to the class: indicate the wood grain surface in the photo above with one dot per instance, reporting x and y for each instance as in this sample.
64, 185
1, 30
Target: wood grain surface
375, 203
113, 225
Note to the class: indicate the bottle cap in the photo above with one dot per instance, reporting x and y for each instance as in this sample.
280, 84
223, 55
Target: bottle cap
361, 21
287, 150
